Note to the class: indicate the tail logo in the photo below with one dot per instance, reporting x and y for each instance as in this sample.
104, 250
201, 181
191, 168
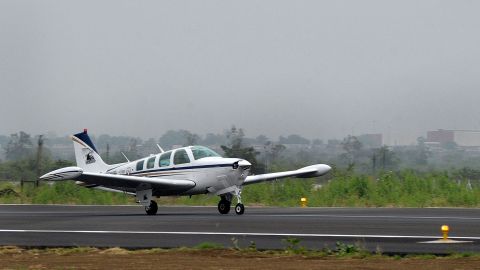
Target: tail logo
89, 158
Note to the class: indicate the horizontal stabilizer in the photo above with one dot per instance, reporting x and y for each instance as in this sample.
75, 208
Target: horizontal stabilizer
67, 173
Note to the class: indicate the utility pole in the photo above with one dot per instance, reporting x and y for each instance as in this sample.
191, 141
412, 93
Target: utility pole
39, 157
384, 150
107, 157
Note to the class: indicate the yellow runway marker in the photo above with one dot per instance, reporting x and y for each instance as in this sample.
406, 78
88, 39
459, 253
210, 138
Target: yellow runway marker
303, 202
444, 240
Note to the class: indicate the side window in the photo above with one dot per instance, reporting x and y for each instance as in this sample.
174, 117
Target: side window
164, 160
181, 157
150, 162
140, 165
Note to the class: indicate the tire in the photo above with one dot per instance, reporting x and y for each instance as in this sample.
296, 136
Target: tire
239, 209
224, 207
152, 208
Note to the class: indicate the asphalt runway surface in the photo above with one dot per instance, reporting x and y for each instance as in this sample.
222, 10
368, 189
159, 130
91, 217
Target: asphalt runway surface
389, 230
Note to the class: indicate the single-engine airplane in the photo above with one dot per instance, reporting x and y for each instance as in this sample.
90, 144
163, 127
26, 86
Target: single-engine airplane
183, 171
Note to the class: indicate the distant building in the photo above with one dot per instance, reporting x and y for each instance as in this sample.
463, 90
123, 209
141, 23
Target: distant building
371, 140
441, 136
465, 138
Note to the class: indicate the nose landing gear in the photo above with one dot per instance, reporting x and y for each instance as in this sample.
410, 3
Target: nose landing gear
239, 209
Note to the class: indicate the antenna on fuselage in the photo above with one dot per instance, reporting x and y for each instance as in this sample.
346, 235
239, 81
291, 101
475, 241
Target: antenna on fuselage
125, 157
160, 148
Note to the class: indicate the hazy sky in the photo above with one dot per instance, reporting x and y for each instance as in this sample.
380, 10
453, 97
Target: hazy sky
321, 69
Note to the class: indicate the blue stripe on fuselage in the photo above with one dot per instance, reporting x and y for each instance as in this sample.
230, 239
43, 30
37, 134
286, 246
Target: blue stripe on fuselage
182, 168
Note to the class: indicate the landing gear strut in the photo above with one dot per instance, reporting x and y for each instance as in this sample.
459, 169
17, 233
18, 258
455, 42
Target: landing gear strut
239, 208
152, 208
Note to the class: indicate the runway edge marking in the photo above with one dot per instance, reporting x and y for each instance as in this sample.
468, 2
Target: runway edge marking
239, 233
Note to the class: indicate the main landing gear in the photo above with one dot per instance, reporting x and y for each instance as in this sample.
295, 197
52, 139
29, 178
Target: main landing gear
226, 201
224, 206
152, 208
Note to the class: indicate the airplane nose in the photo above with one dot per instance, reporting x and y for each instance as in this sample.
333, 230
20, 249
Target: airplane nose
244, 163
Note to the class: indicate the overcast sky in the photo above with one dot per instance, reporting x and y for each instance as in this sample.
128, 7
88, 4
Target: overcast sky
322, 69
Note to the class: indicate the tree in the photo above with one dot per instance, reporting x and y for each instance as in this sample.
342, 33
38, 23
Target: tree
272, 152
214, 139
293, 139
132, 151
450, 146
422, 152
19, 147
190, 138
178, 137
149, 147
352, 147
385, 158
261, 139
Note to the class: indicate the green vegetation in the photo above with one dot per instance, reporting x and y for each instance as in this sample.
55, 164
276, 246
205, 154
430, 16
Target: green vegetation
401, 189
390, 189
362, 177
60, 193
209, 245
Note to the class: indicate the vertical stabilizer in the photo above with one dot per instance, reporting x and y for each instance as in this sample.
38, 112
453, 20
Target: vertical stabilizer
86, 154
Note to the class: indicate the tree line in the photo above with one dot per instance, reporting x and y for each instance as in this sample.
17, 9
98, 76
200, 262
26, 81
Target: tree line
26, 156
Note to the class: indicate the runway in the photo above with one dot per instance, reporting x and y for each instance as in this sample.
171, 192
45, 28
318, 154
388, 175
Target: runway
389, 230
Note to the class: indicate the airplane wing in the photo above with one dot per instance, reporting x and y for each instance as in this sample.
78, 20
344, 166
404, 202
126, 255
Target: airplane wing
306, 172
115, 180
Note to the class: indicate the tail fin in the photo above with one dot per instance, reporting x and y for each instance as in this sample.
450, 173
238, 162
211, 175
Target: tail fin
86, 154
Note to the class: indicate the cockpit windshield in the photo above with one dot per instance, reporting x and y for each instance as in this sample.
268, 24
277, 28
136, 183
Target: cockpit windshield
202, 152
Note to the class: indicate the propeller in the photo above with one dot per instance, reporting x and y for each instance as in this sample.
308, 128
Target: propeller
243, 164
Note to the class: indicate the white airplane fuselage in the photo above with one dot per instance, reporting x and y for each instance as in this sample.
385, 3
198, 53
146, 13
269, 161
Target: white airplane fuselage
210, 174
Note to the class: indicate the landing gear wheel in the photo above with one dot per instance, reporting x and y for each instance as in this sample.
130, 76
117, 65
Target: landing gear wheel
239, 209
152, 208
224, 207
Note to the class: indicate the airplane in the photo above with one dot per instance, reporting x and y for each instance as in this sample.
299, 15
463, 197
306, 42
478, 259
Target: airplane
184, 171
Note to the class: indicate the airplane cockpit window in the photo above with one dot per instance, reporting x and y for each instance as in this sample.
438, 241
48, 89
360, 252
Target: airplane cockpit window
140, 165
164, 160
201, 152
150, 162
181, 157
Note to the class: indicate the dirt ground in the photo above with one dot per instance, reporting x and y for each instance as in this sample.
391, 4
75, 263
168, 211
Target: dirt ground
213, 259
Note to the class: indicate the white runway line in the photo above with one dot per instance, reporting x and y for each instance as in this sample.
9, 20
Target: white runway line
369, 216
241, 234
268, 215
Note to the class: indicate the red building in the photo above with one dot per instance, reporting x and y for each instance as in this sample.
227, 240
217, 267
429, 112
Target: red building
441, 136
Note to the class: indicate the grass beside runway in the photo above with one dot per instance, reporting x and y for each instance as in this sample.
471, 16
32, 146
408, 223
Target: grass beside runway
393, 189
